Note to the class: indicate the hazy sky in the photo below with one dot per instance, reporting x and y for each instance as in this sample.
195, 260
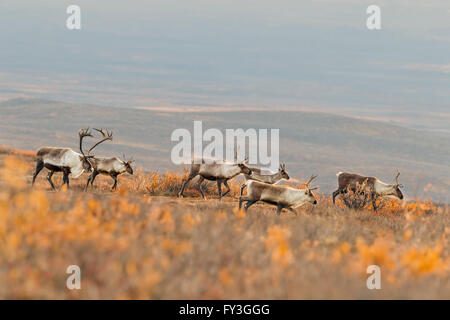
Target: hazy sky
317, 55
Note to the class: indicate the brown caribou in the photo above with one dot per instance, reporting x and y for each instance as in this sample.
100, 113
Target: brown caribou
108, 166
284, 197
257, 175
220, 171
63, 160
372, 186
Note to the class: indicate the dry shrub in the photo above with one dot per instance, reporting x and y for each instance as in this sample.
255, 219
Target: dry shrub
169, 184
356, 198
137, 246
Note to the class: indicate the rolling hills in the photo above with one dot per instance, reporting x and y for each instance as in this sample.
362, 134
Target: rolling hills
310, 142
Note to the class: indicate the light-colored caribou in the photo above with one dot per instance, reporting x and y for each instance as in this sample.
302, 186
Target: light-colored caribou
220, 171
107, 166
372, 186
63, 160
283, 197
257, 175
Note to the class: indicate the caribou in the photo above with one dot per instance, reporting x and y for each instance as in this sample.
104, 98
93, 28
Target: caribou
257, 175
283, 197
372, 186
108, 166
215, 171
63, 160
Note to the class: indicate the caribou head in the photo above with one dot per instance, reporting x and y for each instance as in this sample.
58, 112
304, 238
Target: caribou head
283, 172
127, 164
308, 190
397, 187
243, 166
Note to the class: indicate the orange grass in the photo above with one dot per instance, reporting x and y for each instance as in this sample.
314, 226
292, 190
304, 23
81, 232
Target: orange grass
133, 244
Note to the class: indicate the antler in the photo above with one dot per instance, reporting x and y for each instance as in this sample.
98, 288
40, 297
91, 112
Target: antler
125, 159
106, 136
310, 179
236, 154
396, 179
83, 133
108, 133
236, 150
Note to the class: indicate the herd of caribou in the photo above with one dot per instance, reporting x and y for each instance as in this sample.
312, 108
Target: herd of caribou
260, 187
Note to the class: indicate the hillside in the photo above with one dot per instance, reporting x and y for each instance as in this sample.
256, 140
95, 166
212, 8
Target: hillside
310, 142
141, 242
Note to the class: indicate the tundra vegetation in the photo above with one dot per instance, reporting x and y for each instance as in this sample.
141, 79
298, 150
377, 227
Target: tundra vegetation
143, 242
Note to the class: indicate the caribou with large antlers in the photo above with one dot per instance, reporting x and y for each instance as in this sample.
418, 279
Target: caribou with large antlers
257, 175
283, 197
63, 160
108, 166
220, 171
372, 186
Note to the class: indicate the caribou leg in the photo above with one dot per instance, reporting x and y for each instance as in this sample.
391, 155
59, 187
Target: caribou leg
225, 182
88, 181
279, 208
292, 210
241, 199
39, 167
374, 202
249, 204
199, 187
189, 178
114, 176
94, 175
242, 189
49, 179
335, 194
91, 180
219, 187
66, 178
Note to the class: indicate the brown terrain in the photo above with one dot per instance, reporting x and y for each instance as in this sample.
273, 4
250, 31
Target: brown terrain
141, 242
